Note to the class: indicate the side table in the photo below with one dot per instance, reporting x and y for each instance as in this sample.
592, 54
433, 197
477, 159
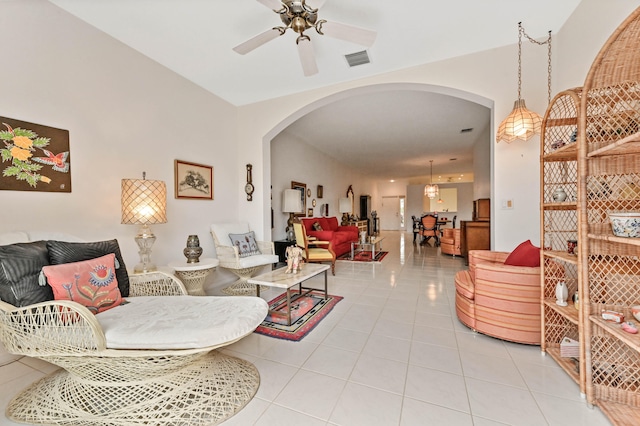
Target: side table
193, 275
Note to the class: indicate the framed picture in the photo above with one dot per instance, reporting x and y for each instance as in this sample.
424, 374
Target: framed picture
193, 181
310, 212
320, 191
302, 187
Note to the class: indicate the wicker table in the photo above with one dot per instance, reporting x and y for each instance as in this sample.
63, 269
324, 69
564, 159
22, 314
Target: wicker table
193, 275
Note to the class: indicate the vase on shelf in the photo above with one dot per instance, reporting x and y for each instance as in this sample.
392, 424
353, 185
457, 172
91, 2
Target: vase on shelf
193, 249
559, 195
561, 293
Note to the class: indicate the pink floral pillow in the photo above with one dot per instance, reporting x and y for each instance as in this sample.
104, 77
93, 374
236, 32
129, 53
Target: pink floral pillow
91, 283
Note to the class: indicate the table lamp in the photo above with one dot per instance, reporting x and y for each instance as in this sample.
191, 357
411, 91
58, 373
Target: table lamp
144, 202
344, 205
291, 203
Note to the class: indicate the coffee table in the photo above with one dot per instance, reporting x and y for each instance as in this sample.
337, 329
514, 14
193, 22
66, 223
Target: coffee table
277, 278
371, 244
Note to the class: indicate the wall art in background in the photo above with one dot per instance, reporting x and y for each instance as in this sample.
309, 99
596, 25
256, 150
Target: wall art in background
193, 181
34, 157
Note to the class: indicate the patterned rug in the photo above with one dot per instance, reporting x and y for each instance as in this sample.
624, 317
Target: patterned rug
306, 312
363, 256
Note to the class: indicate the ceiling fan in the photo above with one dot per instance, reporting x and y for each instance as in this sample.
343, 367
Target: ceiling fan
301, 15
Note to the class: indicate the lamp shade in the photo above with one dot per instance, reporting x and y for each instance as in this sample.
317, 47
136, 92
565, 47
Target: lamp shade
520, 124
344, 204
291, 201
144, 202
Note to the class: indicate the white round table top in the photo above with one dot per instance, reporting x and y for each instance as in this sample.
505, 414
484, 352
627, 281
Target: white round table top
182, 265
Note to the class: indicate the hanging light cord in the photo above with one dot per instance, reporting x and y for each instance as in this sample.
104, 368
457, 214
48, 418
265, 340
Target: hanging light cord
521, 33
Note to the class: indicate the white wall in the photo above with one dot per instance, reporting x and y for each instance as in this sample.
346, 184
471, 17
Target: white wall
491, 77
294, 160
126, 114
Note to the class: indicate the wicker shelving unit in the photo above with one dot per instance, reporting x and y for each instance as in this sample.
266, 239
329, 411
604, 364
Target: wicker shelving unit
609, 170
559, 223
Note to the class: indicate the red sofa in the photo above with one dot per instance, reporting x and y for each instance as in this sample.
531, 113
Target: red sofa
339, 236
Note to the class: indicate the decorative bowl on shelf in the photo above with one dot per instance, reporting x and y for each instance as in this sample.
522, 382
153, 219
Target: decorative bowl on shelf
635, 310
625, 224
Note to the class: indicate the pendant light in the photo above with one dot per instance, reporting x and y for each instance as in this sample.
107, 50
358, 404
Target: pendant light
431, 190
522, 123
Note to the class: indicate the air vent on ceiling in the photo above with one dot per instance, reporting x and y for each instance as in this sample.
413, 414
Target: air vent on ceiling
357, 58
467, 130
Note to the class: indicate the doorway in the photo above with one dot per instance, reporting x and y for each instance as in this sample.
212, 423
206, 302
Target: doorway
392, 213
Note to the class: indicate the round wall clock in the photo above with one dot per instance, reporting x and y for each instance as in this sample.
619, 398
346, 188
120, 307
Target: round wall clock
248, 188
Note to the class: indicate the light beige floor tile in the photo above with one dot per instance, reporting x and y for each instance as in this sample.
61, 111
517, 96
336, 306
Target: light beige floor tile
346, 339
292, 353
491, 369
506, 404
435, 336
437, 387
273, 378
364, 406
388, 348
380, 373
311, 393
560, 411
417, 412
332, 362
281, 416
435, 357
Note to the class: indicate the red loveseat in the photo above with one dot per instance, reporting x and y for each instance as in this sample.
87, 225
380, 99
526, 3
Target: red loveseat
339, 236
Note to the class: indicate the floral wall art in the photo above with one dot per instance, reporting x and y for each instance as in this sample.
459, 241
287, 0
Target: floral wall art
34, 157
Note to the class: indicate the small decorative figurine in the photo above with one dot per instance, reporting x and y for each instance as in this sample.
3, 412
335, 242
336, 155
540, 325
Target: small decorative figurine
561, 293
193, 250
629, 327
294, 260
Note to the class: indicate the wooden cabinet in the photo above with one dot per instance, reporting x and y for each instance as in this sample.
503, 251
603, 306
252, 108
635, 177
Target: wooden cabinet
474, 235
482, 209
361, 224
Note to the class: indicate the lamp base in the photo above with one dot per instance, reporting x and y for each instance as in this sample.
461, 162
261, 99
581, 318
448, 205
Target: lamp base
291, 236
145, 240
345, 219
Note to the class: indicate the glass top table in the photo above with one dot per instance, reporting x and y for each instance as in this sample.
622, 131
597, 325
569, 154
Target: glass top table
371, 244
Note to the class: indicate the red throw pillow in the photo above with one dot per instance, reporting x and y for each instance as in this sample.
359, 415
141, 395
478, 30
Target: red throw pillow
91, 283
526, 254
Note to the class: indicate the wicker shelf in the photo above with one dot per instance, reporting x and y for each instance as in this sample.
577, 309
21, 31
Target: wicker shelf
570, 205
569, 312
627, 145
563, 255
613, 239
609, 173
567, 364
631, 340
565, 153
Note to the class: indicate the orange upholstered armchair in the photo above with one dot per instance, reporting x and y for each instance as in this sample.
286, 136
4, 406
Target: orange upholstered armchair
499, 300
450, 241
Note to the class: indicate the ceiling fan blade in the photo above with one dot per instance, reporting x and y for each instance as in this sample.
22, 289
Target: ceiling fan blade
271, 4
257, 41
347, 33
315, 4
307, 56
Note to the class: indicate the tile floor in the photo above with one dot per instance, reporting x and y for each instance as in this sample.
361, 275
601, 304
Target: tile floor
392, 352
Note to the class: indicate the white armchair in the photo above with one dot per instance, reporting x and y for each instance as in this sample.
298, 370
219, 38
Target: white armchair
243, 267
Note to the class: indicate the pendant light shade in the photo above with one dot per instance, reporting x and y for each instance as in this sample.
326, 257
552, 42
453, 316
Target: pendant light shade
431, 190
522, 123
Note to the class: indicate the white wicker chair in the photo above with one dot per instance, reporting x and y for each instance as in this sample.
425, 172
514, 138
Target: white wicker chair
243, 267
100, 385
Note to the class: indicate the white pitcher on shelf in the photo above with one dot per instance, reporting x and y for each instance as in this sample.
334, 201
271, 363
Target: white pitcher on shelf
561, 293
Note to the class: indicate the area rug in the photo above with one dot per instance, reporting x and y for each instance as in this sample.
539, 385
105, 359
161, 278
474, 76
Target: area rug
306, 312
363, 256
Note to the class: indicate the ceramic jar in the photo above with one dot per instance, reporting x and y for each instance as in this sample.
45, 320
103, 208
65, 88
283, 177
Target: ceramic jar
562, 292
193, 249
559, 195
